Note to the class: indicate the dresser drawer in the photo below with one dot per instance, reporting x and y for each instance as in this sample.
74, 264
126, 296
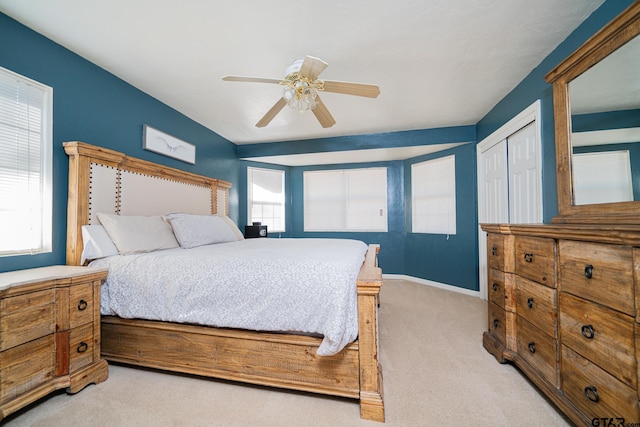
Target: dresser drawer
535, 259
537, 303
498, 323
26, 317
538, 349
595, 392
81, 304
598, 272
497, 287
602, 335
81, 347
496, 251
26, 367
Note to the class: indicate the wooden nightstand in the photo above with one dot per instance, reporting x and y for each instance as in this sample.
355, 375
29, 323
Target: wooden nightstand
49, 333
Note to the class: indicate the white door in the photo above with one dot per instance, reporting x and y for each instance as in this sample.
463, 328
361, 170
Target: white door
493, 198
496, 198
524, 203
509, 178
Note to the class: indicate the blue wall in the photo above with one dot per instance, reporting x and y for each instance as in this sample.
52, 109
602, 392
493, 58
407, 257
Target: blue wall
534, 87
604, 121
426, 256
94, 106
449, 259
361, 142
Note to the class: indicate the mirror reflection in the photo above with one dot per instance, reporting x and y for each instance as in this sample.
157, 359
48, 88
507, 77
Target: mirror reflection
605, 122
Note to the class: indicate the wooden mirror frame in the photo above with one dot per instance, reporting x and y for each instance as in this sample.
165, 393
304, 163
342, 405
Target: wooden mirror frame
619, 31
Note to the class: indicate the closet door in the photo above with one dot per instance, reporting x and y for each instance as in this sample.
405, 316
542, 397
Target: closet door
496, 184
525, 206
509, 178
493, 199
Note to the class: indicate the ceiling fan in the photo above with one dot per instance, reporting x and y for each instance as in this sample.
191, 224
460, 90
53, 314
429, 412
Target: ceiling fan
301, 87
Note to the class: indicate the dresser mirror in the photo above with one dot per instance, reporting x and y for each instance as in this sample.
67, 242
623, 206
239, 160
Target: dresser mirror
596, 94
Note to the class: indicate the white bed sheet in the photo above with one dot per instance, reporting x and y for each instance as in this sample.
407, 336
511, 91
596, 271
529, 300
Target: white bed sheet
285, 285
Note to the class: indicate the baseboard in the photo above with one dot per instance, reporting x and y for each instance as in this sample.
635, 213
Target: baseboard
432, 283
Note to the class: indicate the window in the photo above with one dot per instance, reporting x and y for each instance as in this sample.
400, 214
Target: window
433, 196
25, 165
345, 200
265, 190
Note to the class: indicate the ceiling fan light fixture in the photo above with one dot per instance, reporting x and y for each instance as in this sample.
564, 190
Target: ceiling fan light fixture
301, 87
300, 94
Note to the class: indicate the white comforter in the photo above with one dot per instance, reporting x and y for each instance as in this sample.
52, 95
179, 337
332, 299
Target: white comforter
290, 285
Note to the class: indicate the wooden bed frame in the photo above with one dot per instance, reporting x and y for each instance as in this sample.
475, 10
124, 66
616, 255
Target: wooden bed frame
271, 359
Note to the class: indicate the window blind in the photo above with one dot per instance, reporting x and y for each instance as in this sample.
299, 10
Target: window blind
433, 196
265, 198
25, 165
345, 200
602, 177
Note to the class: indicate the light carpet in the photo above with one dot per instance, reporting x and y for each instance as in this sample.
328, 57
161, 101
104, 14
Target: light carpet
436, 373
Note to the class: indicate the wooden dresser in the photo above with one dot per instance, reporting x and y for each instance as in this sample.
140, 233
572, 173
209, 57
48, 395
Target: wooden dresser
49, 333
563, 307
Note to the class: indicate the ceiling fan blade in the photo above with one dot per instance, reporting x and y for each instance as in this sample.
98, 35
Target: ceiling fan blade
357, 89
266, 119
322, 114
249, 79
311, 67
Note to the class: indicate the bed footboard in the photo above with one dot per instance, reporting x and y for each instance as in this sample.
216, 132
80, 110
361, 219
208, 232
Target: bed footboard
371, 390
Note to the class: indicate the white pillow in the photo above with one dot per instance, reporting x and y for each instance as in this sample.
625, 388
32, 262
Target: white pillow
234, 228
196, 230
133, 234
96, 243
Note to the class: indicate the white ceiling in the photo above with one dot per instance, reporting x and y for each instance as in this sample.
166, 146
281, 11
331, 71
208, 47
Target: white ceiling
438, 63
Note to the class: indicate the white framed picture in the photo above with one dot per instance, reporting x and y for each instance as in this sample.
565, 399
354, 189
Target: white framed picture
162, 143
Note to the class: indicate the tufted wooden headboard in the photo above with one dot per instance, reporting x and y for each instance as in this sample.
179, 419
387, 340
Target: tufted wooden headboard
103, 180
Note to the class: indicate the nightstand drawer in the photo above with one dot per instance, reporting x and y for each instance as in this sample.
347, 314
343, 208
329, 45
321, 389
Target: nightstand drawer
535, 259
595, 392
602, 335
538, 349
599, 273
537, 304
80, 304
26, 317
26, 367
81, 346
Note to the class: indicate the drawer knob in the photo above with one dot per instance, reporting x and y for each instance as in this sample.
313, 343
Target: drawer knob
495, 323
494, 251
532, 347
588, 271
82, 347
495, 287
82, 305
588, 332
528, 257
530, 303
592, 393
